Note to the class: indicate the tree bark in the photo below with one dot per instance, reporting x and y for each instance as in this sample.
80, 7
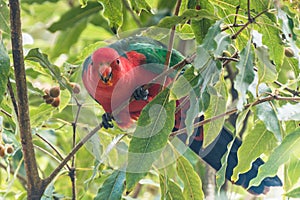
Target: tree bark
33, 179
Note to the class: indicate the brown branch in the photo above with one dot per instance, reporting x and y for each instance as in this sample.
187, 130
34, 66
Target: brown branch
70, 155
33, 180
53, 148
72, 171
234, 110
172, 35
250, 21
293, 92
12, 97
6, 113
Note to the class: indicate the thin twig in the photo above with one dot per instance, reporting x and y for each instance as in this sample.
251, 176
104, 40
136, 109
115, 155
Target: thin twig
171, 40
293, 92
12, 97
249, 14
236, 14
52, 147
234, 110
136, 20
6, 113
71, 154
234, 36
72, 171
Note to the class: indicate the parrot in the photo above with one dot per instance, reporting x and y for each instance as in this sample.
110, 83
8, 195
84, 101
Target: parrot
119, 73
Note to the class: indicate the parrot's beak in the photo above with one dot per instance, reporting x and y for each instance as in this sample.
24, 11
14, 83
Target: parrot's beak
106, 75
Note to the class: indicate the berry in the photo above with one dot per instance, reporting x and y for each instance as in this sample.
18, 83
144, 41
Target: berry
9, 148
49, 100
46, 91
76, 88
46, 96
56, 102
54, 91
2, 150
289, 52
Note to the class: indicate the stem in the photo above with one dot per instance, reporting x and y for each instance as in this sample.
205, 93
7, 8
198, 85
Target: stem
12, 97
72, 170
234, 110
248, 9
172, 35
247, 24
136, 20
33, 180
293, 92
52, 147
71, 154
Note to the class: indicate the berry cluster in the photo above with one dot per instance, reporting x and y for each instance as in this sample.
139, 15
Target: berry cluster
52, 95
6, 149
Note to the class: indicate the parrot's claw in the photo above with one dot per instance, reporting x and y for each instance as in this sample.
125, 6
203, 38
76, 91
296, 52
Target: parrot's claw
107, 120
141, 94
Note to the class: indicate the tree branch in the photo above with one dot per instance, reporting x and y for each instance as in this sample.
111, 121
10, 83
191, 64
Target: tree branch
33, 179
250, 21
71, 154
234, 110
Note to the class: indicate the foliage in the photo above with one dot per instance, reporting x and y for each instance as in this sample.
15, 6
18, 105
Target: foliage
245, 77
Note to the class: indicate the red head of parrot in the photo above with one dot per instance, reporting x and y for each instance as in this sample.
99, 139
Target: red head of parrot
106, 62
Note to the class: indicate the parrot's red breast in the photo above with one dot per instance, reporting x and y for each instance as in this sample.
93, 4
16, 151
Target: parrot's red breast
114, 78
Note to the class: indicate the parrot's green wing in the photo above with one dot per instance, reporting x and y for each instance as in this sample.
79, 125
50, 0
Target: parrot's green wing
154, 51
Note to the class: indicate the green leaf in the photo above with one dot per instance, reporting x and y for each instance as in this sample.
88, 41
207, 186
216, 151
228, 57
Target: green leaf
213, 44
150, 137
266, 70
209, 42
4, 69
37, 56
192, 183
271, 38
4, 17
221, 173
288, 32
65, 97
281, 154
83, 3
169, 22
184, 84
267, 114
38, 1
75, 16
245, 75
200, 27
216, 107
112, 187
169, 189
139, 5
192, 113
289, 112
113, 12
295, 193
185, 32
69, 37
253, 146
39, 115
292, 174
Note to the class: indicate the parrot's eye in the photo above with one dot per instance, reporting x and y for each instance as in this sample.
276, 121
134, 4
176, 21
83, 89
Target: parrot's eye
118, 61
